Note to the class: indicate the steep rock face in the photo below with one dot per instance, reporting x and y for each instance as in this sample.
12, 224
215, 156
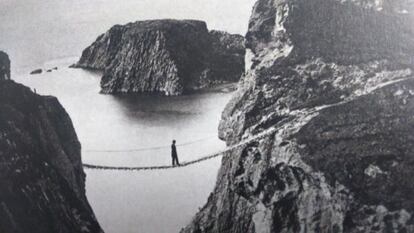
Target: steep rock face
227, 59
42, 181
324, 120
164, 56
4, 66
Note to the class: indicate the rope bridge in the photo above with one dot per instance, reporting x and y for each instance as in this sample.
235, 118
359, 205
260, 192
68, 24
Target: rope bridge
242, 143
183, 164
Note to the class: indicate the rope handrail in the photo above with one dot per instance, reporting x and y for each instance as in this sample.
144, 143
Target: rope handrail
183, 164
151, 148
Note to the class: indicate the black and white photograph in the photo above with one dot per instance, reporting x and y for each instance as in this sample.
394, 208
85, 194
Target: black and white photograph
207, 116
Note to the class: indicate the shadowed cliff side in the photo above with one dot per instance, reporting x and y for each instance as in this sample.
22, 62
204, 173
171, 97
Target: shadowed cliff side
168, 57
42, 181
333, 79
4, 66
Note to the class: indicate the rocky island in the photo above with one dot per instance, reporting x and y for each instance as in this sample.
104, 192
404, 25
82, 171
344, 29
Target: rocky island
42, 181
168, 57
325, 119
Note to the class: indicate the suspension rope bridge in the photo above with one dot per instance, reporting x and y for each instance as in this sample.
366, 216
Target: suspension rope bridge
183, 164
244, 142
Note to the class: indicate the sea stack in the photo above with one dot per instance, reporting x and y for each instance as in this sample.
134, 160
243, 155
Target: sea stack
42, 181
325, 115
4, 66
168, 57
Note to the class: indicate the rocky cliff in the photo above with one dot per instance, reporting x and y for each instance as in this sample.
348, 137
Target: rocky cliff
328, 99
42, 181
4, 66
164, 56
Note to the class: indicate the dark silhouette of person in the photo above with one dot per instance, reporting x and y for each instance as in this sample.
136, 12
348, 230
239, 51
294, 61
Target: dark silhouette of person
174, 155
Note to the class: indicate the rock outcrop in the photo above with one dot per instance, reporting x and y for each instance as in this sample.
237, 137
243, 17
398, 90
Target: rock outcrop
36, 71
4, 66
328, 99
42, 181
168, 57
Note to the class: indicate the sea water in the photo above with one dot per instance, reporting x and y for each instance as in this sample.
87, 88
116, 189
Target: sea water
137, 131
124, 130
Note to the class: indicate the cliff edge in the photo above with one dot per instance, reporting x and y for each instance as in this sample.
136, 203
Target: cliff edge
42, 181
329, 96
4, 66
168, 57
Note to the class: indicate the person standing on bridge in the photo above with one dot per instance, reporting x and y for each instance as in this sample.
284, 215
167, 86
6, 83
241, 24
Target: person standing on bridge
174, 154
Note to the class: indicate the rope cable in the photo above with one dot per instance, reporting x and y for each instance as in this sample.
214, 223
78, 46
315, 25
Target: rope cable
151, 148
184, 164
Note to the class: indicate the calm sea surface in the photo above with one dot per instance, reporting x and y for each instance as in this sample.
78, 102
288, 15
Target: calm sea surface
49, 33
146, 201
